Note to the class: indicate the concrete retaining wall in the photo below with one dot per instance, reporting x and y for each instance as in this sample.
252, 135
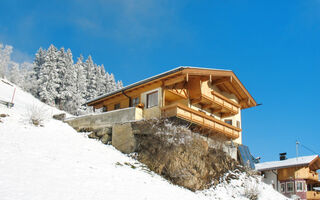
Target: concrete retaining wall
107, 119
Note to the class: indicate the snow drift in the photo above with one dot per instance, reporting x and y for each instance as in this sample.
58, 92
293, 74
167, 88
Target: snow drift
56, 162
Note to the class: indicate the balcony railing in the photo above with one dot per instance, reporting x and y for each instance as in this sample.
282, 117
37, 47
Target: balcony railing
218, 103
191, 115
313, 195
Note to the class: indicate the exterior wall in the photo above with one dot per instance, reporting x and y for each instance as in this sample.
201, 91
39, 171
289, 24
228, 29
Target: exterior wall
124, 103
302, 194
154, 112
297, 173
270, 177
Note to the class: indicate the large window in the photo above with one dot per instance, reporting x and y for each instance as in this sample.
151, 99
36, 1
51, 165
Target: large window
282, 187
135, 101
300, 186
289, 187
152, 99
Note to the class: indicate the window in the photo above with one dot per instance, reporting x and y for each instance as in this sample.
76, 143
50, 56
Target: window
104, 109
300, 186
289, 187
135, 102
152, 99
282, 187
238, 124
228, 121
117, 106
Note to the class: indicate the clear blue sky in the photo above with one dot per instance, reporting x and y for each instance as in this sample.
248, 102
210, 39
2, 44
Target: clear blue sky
273, 46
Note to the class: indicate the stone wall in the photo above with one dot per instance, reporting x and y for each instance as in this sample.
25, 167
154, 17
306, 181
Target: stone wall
175, 152
124, 137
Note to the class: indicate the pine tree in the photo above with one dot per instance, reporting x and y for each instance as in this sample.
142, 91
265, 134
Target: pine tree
35, 75
80, 93
27, 74
5, 53
14, 74
48, 77
91, 80
69, 90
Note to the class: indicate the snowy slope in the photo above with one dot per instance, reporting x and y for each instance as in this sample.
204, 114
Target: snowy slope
56, 162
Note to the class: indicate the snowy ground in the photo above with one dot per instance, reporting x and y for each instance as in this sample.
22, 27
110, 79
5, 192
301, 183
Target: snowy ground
56, 162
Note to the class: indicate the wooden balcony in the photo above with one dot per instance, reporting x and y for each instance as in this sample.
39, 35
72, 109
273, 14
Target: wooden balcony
313, 195
194, 116
218, 103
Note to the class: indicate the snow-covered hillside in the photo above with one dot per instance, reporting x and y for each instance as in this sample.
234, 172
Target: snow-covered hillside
56, 162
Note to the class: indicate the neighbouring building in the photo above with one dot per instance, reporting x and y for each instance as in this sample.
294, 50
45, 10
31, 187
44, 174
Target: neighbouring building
208, 98
293, 177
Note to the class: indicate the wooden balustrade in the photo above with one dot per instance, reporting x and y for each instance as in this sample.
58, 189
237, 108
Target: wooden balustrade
194, 116
218, 103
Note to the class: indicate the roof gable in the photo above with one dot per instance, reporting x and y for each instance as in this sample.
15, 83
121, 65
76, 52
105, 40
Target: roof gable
225, 80
311, 161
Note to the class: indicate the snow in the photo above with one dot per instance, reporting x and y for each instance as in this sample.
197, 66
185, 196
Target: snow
55, 162
305, 160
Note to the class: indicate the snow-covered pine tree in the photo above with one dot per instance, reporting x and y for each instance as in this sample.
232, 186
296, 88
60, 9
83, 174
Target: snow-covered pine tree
14, 73
5, 53
91, 80
48, 77
80, 94
66, 80
28, 82
68, 90
100, 79
39, 60
119, 85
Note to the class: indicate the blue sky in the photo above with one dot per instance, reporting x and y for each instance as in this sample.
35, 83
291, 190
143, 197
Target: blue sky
273, 47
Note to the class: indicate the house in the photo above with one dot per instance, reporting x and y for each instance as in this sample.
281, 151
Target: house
294, 176
208, 98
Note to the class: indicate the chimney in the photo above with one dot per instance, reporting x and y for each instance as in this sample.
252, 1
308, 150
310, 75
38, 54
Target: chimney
283, 156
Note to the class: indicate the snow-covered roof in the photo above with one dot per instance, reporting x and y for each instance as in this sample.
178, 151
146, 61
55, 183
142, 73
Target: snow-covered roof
299, 161
150, 79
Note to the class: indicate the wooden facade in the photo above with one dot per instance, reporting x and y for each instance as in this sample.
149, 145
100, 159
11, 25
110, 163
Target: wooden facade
204, 97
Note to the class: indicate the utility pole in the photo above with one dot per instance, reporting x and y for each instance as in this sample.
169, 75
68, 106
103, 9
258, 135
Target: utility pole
297, 148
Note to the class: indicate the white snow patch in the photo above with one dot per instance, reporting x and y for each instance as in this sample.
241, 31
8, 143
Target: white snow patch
55, 162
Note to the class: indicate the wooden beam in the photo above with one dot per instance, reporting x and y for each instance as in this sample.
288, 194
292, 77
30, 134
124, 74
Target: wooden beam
174, 80
222, 80
217, 110
206, 106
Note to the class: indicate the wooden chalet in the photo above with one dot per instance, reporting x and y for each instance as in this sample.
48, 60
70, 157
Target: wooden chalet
208, 98
294, 177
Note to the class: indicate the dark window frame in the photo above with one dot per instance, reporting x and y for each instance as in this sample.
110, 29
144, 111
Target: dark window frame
287, 187
135, 101
117, 106
104, 109
227, 121
283, 189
